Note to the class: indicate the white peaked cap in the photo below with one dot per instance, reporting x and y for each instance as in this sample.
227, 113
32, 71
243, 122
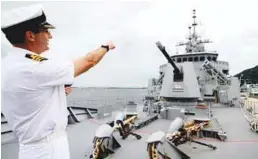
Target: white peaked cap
24, 16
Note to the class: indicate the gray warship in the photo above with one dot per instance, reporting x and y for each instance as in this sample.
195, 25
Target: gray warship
192, 110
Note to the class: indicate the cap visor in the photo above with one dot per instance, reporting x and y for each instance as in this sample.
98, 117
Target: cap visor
46, 25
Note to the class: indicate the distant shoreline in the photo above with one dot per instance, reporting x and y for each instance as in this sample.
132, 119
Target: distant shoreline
111, 87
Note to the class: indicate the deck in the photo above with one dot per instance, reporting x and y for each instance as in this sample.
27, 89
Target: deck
242, 143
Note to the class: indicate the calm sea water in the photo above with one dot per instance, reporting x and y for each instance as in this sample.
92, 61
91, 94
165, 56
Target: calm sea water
114, 98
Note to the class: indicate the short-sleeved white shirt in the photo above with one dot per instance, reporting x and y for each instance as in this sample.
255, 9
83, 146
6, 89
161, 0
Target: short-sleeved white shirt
33, 96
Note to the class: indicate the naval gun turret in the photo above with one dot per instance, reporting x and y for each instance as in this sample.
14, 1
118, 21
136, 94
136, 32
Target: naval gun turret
180, 80
178, 74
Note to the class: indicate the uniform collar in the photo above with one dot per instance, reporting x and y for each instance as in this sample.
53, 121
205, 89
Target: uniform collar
22, 51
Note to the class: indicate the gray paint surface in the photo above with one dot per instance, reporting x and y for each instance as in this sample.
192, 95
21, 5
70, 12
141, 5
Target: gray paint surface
189, 84
242, 143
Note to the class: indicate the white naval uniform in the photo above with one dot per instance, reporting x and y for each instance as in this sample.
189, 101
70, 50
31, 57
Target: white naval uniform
34, 104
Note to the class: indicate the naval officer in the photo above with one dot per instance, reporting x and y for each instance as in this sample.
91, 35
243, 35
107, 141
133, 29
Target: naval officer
33, 93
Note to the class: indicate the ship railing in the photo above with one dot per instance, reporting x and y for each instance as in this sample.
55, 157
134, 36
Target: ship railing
105, 107
250, 105
209, 67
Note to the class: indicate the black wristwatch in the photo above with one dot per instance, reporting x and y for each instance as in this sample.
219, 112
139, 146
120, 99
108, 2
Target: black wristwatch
105, 46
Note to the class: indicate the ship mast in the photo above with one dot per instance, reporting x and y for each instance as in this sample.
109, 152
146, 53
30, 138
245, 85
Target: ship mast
194, 44
194, 25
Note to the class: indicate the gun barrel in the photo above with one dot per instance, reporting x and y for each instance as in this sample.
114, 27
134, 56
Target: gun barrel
163, 50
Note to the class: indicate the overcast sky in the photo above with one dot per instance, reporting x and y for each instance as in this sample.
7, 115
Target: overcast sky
135, 26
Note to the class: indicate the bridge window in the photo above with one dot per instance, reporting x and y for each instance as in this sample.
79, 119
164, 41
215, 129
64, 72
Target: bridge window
225, 71
190, 59
209, 58
184, 59
214, 58
196, 59
202, 58
179, 60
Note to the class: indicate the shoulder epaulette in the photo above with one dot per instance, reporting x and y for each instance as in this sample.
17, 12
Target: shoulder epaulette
39, 59
36, 57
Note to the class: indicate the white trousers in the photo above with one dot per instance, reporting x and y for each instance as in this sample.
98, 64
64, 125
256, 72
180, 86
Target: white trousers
55, 146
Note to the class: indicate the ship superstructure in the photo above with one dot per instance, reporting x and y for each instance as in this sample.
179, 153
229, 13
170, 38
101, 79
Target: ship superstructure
212, 74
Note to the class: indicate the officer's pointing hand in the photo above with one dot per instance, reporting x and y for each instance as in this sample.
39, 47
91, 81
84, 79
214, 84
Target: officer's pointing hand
111, 45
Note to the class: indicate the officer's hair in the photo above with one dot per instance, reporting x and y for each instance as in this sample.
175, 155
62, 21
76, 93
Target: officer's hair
17, 36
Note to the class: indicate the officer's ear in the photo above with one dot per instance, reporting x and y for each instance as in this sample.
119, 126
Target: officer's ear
30, 36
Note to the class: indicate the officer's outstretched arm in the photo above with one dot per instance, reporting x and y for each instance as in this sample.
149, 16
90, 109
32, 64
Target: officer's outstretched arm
84, 63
